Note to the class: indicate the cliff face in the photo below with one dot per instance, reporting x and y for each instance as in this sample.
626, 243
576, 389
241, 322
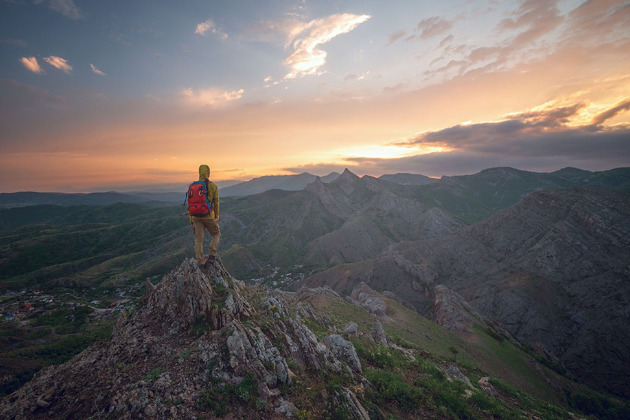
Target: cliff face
201, 341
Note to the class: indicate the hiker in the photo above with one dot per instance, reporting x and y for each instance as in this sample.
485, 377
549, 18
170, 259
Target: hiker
203, 210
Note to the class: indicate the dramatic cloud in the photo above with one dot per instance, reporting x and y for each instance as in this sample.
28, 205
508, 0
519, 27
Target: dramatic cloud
545, 139
31, 64
601, 118
214, 98
209, 26
307, 38
59, 63
96, 70
65, 7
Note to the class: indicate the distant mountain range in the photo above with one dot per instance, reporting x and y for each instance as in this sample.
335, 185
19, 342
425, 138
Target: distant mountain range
231, 189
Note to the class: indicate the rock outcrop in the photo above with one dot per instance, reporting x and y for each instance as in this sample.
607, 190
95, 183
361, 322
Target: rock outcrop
198, 334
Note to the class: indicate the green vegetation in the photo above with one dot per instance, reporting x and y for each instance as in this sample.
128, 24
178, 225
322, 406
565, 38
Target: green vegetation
220, 396
22, 364
596, 404
64, 243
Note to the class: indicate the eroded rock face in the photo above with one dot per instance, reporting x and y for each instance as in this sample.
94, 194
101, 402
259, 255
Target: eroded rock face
452, 312
196, 329
343, 350
378, 333
364, 296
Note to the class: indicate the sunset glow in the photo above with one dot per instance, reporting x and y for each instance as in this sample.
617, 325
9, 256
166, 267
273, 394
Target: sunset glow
104, 95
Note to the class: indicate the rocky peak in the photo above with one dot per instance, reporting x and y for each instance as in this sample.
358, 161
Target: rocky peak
198, 334
347, 182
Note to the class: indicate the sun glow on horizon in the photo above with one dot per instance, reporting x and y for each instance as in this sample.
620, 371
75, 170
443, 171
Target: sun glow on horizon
386, 152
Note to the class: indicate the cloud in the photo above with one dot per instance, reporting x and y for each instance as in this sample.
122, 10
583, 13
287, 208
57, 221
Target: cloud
65, 7
97, 71
426, 28
59, 63
212, 97
606, 115
25, 90
543, 139
15, 42
32, 64
523, 35
433, 26
396, 36
306, 39
209, 25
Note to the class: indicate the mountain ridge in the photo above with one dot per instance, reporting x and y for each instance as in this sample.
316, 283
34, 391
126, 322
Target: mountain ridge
545, 269
204, 344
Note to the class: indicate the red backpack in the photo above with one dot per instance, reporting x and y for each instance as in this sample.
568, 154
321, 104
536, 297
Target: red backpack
197, 199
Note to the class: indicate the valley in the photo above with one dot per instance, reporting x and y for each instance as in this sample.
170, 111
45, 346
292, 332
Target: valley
539, 260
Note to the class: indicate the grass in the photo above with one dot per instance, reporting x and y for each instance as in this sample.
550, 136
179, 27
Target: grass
24, 363
221, 396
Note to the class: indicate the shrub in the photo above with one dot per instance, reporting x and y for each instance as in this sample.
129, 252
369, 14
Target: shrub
154, 374
217, 398
392, 387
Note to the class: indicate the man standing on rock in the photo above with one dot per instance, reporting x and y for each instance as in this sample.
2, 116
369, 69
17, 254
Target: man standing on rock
203, 210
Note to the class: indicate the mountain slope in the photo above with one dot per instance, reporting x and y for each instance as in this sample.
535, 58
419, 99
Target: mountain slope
474, 197
87, 245
274, 182
349, 219
203, 344
552, 270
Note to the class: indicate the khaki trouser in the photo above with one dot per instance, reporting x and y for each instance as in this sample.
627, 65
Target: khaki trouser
200, 226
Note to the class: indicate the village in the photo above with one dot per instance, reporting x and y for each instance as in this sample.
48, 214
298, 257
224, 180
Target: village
28, 305
277, 278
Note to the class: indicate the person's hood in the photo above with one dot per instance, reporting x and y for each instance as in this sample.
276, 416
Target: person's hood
204, 172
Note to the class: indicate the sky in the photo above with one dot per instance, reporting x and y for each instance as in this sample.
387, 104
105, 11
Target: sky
121, 95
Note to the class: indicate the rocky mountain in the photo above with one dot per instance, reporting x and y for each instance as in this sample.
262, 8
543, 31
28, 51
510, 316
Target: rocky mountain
552, 270
354, 219
205, 345
408, 179
349, 219
274, 182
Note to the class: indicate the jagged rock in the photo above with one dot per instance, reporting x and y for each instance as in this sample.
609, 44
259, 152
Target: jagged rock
287, 408
354, 406
378, 333
195, 330
368, 299
344, 350
351, 329
454, 374
321, 290
452, 312
487, 387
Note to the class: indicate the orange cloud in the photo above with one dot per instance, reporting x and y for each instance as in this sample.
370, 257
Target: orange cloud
32, 64
59, 63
